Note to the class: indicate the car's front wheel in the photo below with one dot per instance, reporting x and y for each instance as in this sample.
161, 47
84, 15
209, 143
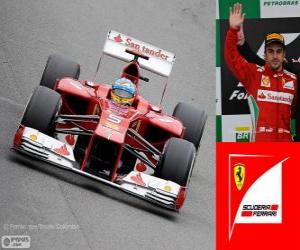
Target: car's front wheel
57, 67
193, 120
177, 161
41, 110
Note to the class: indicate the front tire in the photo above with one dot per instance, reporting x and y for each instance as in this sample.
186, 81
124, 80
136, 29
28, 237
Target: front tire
42, 109
193, 120
57, 67
177, 161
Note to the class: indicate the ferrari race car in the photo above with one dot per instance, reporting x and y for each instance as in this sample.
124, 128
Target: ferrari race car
75, 124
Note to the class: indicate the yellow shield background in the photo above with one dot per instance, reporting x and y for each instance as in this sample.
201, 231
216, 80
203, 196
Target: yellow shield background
239, 175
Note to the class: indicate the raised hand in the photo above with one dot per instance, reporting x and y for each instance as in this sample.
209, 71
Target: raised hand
236, 16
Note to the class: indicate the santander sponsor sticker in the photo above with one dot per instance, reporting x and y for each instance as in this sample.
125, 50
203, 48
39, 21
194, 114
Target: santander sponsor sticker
274, 96
140, 46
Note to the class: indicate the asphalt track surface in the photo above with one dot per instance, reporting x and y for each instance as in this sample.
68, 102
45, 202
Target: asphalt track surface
68, 211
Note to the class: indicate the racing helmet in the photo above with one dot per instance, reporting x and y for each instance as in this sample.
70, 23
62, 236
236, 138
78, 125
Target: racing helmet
123, 91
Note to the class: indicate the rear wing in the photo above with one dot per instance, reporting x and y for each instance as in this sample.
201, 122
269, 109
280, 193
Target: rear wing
159, 62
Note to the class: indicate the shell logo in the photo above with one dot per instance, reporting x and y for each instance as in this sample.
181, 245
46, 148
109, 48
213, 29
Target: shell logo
168, 188
33, 137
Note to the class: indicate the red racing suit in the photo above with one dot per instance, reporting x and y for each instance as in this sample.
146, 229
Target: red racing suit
273, 91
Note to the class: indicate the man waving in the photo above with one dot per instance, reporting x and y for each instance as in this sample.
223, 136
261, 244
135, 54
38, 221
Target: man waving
273, 88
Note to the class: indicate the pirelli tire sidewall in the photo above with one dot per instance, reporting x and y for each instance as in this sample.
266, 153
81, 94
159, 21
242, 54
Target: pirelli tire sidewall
58, 67
42, 109
193, 120
177, 161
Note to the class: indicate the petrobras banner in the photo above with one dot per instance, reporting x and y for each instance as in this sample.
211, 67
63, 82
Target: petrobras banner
262, 17
279, 8
257, 196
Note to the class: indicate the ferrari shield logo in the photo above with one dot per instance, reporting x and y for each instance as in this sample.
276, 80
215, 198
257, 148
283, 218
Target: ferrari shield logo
239, 175
265, 81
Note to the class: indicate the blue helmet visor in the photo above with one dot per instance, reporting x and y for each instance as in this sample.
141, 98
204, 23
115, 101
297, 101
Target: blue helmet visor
123, 93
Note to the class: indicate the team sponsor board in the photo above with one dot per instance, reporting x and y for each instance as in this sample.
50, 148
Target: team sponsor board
236, 128
279, 8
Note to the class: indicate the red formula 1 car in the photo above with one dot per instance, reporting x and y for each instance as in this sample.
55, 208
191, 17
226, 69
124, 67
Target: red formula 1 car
76, 125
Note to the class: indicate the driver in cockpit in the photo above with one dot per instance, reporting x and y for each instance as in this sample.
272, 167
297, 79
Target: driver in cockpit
123, 91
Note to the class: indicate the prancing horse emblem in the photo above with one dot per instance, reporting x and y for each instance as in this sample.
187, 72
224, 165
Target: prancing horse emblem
239, 175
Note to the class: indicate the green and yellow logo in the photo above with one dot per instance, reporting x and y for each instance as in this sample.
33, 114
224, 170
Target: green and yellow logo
242, 134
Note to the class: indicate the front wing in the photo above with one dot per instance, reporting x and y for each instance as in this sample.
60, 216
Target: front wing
36, 144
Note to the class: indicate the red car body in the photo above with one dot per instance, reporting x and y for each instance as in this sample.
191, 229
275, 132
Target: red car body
116, 144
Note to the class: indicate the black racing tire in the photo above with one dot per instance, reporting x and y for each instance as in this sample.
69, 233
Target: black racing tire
41, 110
177, 161
193, 120
57, 67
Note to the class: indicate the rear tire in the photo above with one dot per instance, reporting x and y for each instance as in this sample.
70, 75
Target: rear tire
193, 120
41, 110
57, 67
177, 161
